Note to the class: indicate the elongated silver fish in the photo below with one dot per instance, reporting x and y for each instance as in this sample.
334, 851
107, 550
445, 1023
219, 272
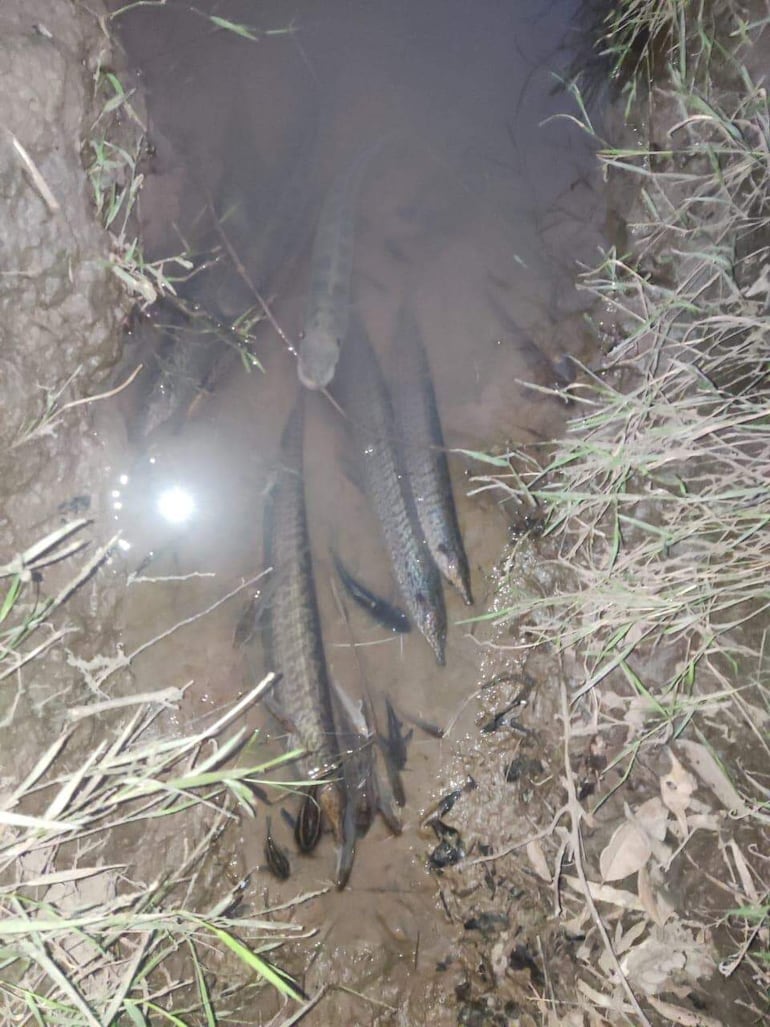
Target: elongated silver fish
365, 398
293, 631
424, 455
328, 305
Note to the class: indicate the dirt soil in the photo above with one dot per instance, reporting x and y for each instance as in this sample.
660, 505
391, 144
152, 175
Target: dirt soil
60, 330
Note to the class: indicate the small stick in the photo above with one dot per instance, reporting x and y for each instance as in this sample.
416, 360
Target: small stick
165, 696
37, 179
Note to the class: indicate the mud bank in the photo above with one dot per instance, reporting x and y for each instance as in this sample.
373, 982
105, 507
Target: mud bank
60, 336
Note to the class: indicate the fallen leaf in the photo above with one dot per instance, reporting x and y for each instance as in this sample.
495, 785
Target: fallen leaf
626, 852
670, 955
685, 1017
539, 862
653, 817
749, 889
705, 765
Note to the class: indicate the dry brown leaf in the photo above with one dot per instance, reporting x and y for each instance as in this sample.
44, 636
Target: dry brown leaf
670, 955
711, 774
626, 852
676, 787
653, 817
539, 862
749, 888
624, 940
685, 1017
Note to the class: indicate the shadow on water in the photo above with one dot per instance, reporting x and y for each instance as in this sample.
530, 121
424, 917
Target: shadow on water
475, 212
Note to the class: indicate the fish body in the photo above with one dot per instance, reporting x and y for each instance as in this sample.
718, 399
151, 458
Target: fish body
424, 455
328, 305
294, 645
307, 828
385, 613
397, 739
365, 398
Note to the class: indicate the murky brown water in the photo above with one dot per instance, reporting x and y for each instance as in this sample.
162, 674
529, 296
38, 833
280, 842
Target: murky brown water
476, 213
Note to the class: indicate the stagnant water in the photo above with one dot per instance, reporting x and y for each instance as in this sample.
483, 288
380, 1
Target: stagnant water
476, 212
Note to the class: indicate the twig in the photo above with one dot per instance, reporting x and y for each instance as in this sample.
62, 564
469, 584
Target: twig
520, 845
34, 173
165, 696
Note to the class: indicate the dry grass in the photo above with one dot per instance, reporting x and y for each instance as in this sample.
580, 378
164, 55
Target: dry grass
656, 502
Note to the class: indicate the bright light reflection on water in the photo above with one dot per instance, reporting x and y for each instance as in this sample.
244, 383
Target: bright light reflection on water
176, 505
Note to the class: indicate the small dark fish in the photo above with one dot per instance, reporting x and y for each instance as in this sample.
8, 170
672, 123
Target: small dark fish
448, 801
307, 827
488, 923
252, 618
445, 855
392, 772
277, 860
431, 729
445, 832
521, 959
522, 766
397, 740
385, 613
388, 787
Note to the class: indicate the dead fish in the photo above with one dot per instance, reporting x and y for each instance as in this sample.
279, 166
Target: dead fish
424, 454
276, 857
381, 610
365, 398
328, 305
293, 642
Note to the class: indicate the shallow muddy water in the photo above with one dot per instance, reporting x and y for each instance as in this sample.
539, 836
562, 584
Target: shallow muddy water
475, 211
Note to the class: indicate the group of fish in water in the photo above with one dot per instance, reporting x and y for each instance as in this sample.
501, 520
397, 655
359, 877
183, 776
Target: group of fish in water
402, 467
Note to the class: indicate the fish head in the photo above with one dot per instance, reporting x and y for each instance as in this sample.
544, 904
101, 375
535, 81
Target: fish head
454, 568
431, 621
319, 352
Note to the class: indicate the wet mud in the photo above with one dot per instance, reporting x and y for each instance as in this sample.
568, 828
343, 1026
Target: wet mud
474, 213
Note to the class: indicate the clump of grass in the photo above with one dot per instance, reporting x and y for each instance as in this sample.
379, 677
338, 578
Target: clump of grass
80, 942
657, 494
655, 502
116, 146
